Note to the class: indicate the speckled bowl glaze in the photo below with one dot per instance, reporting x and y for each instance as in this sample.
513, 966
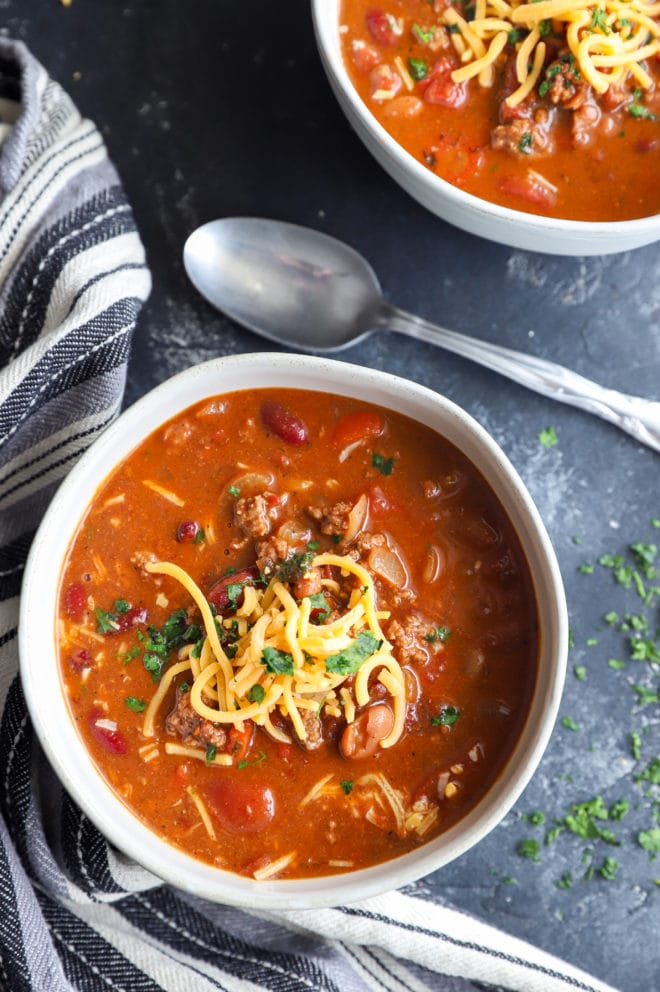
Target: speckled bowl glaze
39, 670
488, 220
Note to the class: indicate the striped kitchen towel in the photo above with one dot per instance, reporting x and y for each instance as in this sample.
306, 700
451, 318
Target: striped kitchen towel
74, 913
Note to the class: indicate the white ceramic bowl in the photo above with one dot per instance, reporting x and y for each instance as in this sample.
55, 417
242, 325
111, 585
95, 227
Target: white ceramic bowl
488, 220
40, 675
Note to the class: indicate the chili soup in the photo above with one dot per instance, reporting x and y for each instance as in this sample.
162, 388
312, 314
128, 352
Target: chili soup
297, 633
552, 108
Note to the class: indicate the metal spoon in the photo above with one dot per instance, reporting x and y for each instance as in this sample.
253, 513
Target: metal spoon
311, 292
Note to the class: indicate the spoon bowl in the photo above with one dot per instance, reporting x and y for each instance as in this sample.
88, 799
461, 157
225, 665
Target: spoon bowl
311, 293
308, 291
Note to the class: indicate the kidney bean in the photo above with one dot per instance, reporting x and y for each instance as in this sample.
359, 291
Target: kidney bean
75, 602
361, 738
187, 531
79, 660
135, 617
218, 594
286, 425
111, 739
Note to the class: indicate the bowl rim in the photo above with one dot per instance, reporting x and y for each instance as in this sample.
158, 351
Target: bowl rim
43, 688
325, 21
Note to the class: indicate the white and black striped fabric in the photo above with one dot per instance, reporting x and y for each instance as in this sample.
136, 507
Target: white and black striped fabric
74, 913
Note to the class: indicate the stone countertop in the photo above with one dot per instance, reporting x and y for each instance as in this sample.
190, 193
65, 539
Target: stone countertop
210, 110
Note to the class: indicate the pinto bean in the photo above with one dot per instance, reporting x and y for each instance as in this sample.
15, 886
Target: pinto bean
361, 738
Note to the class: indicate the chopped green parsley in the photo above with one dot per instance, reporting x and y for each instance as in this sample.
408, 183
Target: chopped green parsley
447, 717
548, 437
384, 465
135, 704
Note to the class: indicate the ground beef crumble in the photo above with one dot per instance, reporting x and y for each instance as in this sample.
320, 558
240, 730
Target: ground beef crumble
255, 514
408, 639
192, 729
333, 519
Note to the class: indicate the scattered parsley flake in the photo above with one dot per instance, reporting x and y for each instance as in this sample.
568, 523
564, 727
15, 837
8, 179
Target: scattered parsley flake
234, 491
636, 745
580, 673
447, 717
609, 868
135, 704
619, 809
651, 773
650, 841
529, 848
384, 465
536, 818
106, 622
277, 662
347, 786
548, 437
418, 69
320, 608
586, 569
257, 694
616, 663
569, 723
646, 696
353, 657
423, 35
261, 756
565, 882
437, 634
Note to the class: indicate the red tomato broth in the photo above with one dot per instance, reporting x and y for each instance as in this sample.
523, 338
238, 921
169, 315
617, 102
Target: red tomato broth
483, 595
612, 176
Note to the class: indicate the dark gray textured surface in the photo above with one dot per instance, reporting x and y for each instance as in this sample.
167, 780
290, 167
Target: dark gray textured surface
218, 107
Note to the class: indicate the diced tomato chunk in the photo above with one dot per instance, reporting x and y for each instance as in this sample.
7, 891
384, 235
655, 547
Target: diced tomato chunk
378, 501
441, 89
383, 27
384, 83
75, 602
356, 426
364, 57
240, 806
529, 189
108, 736
79, 660
137, 616
181, 772
239, 741
284, 751
218, 596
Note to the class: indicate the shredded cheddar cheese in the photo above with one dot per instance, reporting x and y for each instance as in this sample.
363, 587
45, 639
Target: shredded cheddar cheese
607, 40
283, 662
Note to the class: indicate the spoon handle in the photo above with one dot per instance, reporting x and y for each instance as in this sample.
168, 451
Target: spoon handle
637, 416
